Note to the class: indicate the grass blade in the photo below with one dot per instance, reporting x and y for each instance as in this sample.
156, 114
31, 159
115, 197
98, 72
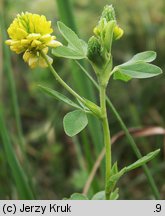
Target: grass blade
19, 176
66, 14
12, 87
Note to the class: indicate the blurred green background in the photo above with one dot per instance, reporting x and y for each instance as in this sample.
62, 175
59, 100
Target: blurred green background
60, 165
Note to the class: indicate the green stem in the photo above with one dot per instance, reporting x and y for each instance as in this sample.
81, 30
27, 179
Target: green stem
58, 78
107, 139
136, 151
128, 135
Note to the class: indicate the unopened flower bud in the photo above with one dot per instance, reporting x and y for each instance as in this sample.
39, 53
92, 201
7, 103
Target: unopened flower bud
108, 13
95, 51
107, 29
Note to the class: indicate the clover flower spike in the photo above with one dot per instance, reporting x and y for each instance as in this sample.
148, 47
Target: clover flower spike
108, 16
30, 34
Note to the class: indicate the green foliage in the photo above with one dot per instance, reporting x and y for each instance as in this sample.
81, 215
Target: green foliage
142, 161
139, 70
114, 195
114, 178
77, 196
71, 37
93, 107
18, 173
116, 175
67, 52
147, 56
99, 196
59, 96
137, 67
74, 122
114, 169
76, 49
118, 75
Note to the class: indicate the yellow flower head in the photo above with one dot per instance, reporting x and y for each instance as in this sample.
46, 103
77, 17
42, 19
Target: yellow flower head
30, 34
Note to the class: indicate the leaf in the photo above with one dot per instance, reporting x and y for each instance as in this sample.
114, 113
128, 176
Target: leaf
142, 161
93, 107
66, 52
147, 56
77, 196
138, 69
99, 196
115, 178
84, 46
114, 195
82, 105
119, 76
74, 122
58, 96
114, 169
71, 37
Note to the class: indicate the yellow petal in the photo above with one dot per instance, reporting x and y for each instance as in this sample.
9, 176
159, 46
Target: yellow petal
17, 49
54, 43
45, 50
35, 43
26, 56
46, 38
42, 63
8, 42
17, 33
33, 62
33, 36
25, 42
